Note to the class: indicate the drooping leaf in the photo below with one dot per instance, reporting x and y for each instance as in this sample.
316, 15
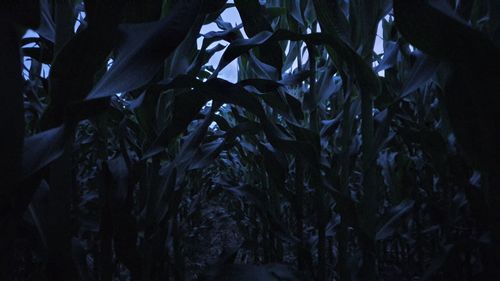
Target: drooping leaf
447, 37
438, 33
47, 28
181, 59
208, 152
41, 149
395, 215
423, 70
367, 79
186, 107
143, 49
75, 65
390, 55
254, 21
364, 17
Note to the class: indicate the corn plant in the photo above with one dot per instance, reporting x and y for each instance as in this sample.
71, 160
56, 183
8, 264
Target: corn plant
357, 142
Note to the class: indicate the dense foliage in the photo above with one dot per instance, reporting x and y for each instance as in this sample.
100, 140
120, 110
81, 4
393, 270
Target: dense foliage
132, 159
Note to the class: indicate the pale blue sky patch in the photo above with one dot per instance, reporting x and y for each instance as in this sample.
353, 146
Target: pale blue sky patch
45, 70
230, 72
79, 20
379, 46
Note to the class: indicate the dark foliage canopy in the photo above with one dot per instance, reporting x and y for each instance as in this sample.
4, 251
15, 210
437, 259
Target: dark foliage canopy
358, 140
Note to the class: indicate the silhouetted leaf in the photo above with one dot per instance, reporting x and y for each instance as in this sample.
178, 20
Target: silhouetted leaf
390, 56
423, 70
143, 49
41, 149
441, 35
75, 65
251, 13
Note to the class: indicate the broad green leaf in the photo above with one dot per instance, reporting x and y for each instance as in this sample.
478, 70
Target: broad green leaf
367, 79
326, 86
41, 149
341, 51
186, 107
47, 28
364, 17
394, 218
76, 64
143, 49
447, 37
441, 34
181, 59
254, 22
422, 71
209, 151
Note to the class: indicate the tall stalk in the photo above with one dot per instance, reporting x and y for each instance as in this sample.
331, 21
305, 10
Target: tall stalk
61, 173
368, 206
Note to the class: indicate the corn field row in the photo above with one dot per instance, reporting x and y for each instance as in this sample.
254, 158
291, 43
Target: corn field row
359, 140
